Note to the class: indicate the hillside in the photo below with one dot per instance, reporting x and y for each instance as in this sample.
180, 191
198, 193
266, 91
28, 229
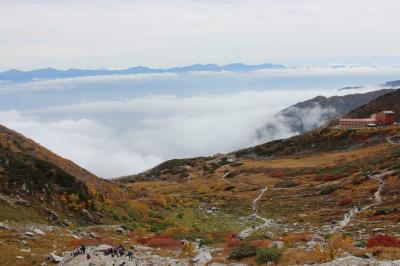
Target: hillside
317, 184
40, 186
389, 101
313, 113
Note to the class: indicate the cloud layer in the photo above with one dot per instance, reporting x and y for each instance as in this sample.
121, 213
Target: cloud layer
115, 138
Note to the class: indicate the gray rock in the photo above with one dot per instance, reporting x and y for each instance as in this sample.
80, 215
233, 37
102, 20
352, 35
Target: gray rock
66, 222
348, 261
389, 263
87, 215
30, 234
22, 202
38, 231
269, 235
4, 226
202, 258
311, 244
93, 234
278, 244
55, 258
120, 230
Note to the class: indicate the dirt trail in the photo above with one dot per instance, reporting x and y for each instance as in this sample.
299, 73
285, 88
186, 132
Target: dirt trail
224, 178
393, 142
266, 222
377, 198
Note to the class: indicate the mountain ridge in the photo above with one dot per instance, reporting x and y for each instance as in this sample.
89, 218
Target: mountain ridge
14, 75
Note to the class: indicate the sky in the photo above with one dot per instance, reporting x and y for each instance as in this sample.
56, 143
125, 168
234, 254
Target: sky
122, 33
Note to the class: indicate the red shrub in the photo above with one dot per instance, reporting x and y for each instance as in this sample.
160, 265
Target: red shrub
376, 217
261, 243
278, 174
383, 241
231, 241
160, 242
345, 201
373, 190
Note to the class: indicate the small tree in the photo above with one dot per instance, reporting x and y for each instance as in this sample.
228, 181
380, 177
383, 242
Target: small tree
335, 245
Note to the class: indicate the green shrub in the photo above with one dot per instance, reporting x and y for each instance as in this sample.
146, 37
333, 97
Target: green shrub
243, 250
286, 184
268, 255
329, 189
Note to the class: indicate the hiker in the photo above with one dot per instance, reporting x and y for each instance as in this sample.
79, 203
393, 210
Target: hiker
130, 255
200, 243
83, 248
121, 252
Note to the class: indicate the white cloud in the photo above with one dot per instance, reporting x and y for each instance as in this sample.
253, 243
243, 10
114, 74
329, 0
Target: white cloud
122, 33
113, 138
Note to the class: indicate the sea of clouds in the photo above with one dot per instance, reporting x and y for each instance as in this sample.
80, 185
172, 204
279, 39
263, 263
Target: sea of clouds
122, 125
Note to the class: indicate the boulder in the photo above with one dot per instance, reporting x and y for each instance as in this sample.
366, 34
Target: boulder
120, 230
311, 244
202, 258
348, 261
278, 244
389, 263
38, 231
30, 234
22, 202
93, 234
55, 258
4, 226
269, 235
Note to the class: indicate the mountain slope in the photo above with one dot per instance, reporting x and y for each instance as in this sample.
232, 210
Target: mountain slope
48, 186
310, 114
389, 101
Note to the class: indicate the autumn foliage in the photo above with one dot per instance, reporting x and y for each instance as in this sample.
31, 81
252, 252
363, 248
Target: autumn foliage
383, 241
160, 242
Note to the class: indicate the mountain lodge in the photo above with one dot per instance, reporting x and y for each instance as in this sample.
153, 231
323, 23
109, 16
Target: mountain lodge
383, 118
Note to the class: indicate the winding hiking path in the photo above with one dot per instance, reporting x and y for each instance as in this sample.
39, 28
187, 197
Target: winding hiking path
377, 198
266, 222
393, 142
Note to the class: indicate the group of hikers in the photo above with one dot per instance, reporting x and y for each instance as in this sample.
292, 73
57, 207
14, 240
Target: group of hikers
79, 250
113, 251
119, 252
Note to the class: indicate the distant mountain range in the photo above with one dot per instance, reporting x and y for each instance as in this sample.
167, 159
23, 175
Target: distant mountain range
15, 75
